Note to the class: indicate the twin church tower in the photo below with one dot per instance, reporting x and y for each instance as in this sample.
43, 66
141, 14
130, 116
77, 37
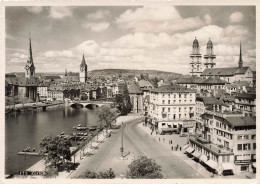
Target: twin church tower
196, 65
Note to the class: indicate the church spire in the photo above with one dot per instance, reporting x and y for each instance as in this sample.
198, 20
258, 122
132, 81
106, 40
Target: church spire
83, 62
30, 57
29, 67
240, 62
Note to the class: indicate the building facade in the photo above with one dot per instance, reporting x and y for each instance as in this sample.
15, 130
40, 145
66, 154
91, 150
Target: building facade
172, 107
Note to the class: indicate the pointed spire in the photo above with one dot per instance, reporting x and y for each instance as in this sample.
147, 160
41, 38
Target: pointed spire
83, 63
30, 56
240, 62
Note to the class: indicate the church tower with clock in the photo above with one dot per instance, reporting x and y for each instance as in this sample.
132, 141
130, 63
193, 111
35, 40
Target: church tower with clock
29, 67
83, 74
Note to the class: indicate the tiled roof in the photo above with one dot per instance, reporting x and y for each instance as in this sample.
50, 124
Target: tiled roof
241, 121
172, 88
211, 80
144, 83
11, 81
134, 88
245, 95
210, 101
22, 81
224, 71
49, 77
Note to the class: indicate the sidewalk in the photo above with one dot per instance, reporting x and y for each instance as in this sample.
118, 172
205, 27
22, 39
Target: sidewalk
180, 141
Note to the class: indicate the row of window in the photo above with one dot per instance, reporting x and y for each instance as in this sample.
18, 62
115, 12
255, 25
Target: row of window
174, 109
246, 146
180, 95
174, 101
241, 137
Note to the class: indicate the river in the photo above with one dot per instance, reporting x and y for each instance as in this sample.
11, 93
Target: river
27, 129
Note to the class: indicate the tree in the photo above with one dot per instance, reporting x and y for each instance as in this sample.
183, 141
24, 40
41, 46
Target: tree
106, 116
144, 168
24, 100
56, 148
123, 102
9, 100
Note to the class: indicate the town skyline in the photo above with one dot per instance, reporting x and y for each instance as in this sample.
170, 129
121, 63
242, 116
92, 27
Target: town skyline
134, 43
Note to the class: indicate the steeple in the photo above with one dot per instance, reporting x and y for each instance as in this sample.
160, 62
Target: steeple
83, 70
240, 62
83, 62
29, 67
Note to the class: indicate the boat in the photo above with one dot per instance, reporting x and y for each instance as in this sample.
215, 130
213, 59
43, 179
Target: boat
85, 134
62, 133
79, 125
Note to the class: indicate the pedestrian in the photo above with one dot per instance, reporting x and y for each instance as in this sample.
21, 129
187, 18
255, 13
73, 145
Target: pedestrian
159, 139
172, 148
180, 148
151, 133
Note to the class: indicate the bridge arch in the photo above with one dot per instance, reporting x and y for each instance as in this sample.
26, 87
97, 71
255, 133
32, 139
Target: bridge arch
91, 106
77, 105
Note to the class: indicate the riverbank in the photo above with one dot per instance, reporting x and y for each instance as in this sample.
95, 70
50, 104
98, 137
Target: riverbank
79, 156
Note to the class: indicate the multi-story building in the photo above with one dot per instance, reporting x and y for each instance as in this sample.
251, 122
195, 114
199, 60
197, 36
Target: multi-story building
42, 90
246, 103
172, 107
55, 92
228, 142
136, 97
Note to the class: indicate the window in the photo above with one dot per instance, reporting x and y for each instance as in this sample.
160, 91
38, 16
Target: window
169, 109
174, 116
185, 95
169, 95
169, 101
163, 124
246, 146
174, 95
162, 95
253, 137
239, 147
246, 136
244, 168
163, 109
179, 95
163, 102
254, 146
179, 109
239, 137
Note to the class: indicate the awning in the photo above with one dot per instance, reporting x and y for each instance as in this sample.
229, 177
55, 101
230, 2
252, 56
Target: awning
227, 166
203, 158
186, 146
196, 154
189, 150
212, 164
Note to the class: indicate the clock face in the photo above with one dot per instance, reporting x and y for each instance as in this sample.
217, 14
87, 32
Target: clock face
27, 67
82, 68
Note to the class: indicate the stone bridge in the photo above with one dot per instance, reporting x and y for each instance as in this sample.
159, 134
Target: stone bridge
90, 104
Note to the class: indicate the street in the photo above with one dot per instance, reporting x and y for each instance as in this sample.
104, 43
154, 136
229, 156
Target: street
136, 142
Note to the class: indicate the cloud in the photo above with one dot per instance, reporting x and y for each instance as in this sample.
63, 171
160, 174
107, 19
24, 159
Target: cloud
59, 12
97, 27
158, 19
236, 17
34, 9
98, 15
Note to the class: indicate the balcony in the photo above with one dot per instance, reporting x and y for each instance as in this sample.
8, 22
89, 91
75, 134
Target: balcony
223, 114
205, 144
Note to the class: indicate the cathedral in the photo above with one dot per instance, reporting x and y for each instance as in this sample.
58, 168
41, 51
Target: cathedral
206, 69
27, 86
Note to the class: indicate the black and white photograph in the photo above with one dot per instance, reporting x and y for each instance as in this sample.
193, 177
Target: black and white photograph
129, 91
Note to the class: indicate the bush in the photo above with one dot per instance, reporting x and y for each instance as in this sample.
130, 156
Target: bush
109, 174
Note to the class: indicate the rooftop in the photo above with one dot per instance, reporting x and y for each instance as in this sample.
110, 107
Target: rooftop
172, 88
224, 71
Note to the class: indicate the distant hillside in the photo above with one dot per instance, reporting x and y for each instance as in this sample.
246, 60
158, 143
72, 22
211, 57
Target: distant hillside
111, 72
137, 72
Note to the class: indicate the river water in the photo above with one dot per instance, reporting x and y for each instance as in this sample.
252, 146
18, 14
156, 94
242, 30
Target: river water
27, 129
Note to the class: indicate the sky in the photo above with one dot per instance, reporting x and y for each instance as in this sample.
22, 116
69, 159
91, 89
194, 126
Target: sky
127, 37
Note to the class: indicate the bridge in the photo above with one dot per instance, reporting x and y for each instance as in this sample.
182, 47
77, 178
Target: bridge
87, 104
